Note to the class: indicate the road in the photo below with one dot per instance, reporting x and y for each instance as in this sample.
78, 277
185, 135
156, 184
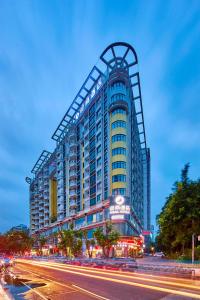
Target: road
59, 281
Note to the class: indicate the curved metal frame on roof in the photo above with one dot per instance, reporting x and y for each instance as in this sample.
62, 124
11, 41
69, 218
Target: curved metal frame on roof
128, 61
44, 157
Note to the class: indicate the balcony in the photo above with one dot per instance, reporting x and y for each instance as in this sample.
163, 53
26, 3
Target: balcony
72, 193
72, 184
72, 174
72, 204
72, 212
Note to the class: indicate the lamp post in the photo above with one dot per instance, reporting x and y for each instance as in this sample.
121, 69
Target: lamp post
193, 235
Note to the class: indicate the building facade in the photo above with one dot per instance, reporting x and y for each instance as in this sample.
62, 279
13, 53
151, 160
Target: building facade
100, 168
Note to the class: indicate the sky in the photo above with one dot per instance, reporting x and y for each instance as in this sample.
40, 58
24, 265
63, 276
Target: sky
47, 48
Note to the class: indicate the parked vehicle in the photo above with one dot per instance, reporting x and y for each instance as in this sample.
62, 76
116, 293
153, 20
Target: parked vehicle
6, 262
159, 254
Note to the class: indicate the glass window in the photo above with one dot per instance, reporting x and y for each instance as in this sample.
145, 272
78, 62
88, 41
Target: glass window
117, 97
119, 178
117, 151
118, 123
118, 84
98, 161
99, 137
118, 137
99, 149
99, 198
98, 174
92, 202
99, 125
119, 191
119, 165
118, 111
98, 186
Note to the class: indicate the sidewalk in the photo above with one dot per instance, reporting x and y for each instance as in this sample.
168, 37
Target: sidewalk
3, 294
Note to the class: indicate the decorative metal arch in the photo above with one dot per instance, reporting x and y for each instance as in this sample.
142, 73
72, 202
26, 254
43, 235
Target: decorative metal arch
114, 58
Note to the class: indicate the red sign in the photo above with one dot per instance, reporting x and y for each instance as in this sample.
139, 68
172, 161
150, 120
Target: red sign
146, 232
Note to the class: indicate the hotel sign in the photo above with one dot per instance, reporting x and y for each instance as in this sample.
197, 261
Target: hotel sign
119, 208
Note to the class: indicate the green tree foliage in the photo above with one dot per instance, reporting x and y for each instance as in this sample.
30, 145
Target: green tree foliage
180, 216
15, 242
106, 238
70, 241
89, 243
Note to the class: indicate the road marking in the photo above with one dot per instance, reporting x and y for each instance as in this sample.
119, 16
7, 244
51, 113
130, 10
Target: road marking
65, 285
47, 279
185, 285
156, 288
120, 272
34, 291
88, 292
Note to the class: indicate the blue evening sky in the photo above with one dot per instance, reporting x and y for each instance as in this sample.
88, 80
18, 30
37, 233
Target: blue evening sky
47, 48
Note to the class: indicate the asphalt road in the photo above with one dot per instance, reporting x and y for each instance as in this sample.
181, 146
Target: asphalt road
74, 282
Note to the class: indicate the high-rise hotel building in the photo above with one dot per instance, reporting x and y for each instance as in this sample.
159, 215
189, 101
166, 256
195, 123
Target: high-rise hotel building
100, 168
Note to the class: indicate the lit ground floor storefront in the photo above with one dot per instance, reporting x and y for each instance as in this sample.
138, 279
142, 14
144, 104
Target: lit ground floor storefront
118, 211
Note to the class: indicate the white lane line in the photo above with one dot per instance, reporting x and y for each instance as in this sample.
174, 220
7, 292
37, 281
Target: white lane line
53, 281
65, 285
88, 292
34, 291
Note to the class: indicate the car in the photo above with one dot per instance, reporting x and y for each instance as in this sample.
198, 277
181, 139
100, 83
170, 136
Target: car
6, 262
159, 254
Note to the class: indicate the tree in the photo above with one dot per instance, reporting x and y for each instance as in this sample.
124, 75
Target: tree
41, 243
89, 243
180, 216
70, 241
18, 242
106, 239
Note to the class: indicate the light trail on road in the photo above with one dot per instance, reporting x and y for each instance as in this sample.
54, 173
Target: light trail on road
123, 278
132, 276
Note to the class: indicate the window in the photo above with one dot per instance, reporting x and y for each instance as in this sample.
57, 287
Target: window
92, 179
117, 97
98, 186
119, 178
99, 149
118, 84
98, 137
118, 111
92, 167
120, 191
98, 161
118, 123
99, 126
92, 202
92, 132
98, 174
118, 137
119, 165
99, 198
117, 151
98, 113
93, 190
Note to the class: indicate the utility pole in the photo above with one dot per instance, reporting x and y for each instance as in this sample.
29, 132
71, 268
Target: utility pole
193, 235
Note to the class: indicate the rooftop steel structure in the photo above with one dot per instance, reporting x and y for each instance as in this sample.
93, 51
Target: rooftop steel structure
44, 157
118, 54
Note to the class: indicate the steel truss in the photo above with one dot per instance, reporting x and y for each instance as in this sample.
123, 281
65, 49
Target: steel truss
44, 157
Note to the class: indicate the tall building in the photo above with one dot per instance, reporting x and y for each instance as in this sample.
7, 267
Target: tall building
100, 168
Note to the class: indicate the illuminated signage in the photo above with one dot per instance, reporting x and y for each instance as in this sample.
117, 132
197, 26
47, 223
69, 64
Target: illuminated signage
119, 209
117, 217
119, 200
